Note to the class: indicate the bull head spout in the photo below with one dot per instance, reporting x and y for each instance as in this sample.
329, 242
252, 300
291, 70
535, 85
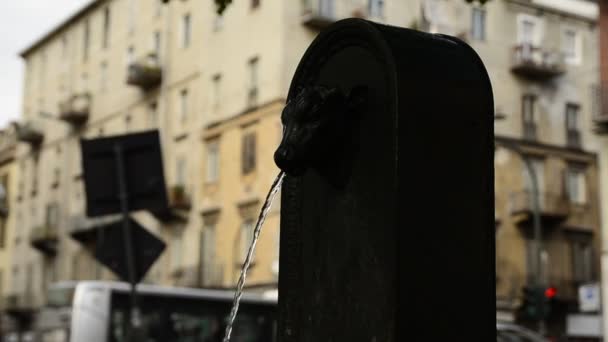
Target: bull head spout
318, 131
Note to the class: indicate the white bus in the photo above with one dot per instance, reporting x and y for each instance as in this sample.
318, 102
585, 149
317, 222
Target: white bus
97, 311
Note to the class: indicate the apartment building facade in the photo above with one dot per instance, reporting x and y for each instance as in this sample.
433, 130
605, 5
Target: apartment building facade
542, 60
215, 86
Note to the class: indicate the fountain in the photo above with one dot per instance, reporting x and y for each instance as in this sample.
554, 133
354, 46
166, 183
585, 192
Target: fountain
387, 213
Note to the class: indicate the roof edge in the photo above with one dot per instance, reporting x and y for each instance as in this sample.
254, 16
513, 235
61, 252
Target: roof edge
58, 28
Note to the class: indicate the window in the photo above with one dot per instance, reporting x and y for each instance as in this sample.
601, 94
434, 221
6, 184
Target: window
85, 40
478, 25
246, 237
56, 178
255, 3
2, 233
183, 105
52, 215
106, 28
582, 260
571, 46
156, 44
527, 31
576, 185
573, 138
248, 152
376, 8
128, 123
130, 55
186, 30
131, 16
153, 114
217, 80
326, 8
176, 251
103, 77
180, 172
64, 46
34, 177
253, 82
213, 164
528, 117
208, 245
84, 81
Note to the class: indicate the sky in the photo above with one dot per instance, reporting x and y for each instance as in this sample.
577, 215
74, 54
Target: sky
21, 23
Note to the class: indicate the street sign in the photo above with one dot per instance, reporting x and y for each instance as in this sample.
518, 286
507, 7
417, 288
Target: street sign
143, 173
146, 249
589, 298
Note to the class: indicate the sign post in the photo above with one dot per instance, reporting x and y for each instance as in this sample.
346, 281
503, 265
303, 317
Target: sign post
121, 174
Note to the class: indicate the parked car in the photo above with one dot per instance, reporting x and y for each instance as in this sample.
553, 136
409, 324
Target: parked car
509, 332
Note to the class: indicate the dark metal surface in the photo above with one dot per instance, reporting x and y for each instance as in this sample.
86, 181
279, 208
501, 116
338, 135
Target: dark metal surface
143, 172
387, 214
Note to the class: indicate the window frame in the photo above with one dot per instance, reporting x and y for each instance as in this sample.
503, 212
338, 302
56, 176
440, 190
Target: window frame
186, 31
248, 152
481, 15
213, 161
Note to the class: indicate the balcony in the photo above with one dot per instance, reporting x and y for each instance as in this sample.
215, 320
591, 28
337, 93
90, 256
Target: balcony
573, 139
600, 108
145, 73
75, 110
85, 230
29, 132
318, 14
18, 305
44, 238
179, 204
553, 207
536, 63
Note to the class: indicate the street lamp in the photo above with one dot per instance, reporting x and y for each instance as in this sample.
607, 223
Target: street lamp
535, 204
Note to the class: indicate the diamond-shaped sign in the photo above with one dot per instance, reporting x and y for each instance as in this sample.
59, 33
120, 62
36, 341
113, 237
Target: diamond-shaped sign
111, 253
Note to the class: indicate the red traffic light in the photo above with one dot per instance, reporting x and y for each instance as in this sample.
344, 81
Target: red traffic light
550, 292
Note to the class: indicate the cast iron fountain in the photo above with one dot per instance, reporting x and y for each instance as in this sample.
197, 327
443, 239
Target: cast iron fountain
387, 213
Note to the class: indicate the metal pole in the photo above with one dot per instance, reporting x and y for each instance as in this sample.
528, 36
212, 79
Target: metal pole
128, 243
536, 224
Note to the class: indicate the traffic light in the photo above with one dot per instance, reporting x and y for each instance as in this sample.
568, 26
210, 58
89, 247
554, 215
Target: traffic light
537, 302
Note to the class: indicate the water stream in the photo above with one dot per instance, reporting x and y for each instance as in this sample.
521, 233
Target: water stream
276, 185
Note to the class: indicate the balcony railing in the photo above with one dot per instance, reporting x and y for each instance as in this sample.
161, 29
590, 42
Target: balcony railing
75, 110
145, 73
318, 13
552, 206
573, 139
537, 63
44, 238
18, 304
29, 132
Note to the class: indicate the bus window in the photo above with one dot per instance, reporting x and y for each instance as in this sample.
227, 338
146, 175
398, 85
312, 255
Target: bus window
171, 319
